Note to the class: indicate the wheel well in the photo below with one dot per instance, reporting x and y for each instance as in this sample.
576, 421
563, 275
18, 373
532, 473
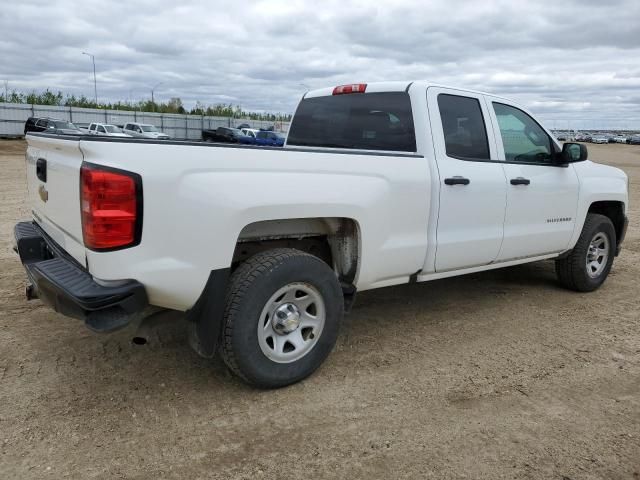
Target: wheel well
332, 239
613, 210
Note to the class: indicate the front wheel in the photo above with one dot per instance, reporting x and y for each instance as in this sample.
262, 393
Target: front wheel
589, 263
283, 312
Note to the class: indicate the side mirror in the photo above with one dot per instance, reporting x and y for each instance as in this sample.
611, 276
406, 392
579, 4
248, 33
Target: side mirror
574, 152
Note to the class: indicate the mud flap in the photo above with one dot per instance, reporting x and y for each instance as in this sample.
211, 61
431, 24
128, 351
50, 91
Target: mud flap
205, 319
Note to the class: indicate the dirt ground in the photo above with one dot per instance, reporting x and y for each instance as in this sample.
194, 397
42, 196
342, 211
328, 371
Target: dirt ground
495, 375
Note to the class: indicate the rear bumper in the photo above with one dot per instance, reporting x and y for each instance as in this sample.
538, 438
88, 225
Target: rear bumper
58, 280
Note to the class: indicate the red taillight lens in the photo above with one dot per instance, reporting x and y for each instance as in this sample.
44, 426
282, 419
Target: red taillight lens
353, 88
110, 208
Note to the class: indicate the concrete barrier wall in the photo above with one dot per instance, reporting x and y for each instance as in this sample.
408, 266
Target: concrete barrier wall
13, 116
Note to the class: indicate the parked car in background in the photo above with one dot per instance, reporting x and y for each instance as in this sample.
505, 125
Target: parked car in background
51, 125
248, 136
250, 132
634, 140
106, 130
144, 130
269, 139
621, 138
30, 125
582, 137
599, 139
223, 134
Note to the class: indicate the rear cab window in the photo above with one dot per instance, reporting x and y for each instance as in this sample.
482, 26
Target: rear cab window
359, 121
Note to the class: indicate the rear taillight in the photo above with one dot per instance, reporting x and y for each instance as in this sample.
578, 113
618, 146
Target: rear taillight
111, 207
353, 88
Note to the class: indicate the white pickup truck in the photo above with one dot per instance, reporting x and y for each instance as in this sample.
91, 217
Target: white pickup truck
263, 249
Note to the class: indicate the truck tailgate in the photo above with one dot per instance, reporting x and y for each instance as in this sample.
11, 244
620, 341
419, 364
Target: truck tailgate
53, 181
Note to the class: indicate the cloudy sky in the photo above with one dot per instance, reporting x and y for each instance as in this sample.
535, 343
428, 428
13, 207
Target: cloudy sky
574, 63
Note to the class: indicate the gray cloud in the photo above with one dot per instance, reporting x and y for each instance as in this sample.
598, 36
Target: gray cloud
572, 62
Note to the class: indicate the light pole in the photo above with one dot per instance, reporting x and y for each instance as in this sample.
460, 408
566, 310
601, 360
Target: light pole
153, 103
95, 85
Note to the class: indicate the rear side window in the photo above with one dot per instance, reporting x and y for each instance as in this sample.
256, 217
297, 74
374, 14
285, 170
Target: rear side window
362, 121
465, 135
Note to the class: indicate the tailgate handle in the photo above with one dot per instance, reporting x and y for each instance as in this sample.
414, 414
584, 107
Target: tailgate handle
41, 169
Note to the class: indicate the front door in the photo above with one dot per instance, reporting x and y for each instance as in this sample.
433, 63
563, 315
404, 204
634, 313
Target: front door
542, 197
472, 181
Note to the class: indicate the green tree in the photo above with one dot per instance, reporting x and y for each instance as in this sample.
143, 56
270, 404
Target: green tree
174, 105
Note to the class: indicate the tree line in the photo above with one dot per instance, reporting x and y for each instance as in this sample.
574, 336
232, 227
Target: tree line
174, 105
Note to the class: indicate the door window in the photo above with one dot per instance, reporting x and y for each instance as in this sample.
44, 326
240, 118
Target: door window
523, 139
465, 134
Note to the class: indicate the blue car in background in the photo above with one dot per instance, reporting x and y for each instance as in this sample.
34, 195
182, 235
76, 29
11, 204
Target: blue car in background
269, 139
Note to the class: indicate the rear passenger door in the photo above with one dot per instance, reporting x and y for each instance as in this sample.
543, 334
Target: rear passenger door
542, 196
472, 181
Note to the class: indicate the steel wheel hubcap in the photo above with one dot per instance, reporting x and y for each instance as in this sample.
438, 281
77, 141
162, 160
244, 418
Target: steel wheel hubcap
291, 322
286, 318
597, 255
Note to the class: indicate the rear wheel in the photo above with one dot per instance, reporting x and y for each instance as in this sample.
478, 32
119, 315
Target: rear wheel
282, 316
589, 263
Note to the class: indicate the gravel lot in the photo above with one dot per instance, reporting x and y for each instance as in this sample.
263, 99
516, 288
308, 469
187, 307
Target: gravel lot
495, 375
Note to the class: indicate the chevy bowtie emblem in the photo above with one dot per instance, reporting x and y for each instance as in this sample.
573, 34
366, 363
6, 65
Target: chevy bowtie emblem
44, 195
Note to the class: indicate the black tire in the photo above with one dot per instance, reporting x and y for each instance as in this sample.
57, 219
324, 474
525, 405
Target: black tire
251, 286
572, 270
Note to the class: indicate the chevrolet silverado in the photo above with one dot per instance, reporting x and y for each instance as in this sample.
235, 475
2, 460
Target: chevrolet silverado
263, 249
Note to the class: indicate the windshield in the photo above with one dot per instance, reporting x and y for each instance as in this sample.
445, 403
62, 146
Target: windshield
148, 128
369, 121
112, 129
64, 125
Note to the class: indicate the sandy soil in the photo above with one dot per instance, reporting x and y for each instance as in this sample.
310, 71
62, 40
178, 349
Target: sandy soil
495, 375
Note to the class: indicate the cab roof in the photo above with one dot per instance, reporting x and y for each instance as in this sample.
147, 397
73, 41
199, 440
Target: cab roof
391, 86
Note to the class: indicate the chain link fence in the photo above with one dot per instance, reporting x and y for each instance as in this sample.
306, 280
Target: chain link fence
188, 127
